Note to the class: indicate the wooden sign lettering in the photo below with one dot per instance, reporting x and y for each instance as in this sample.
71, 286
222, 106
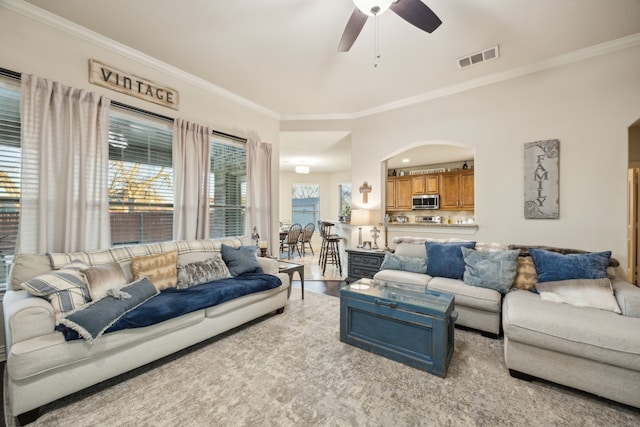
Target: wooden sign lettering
111, 78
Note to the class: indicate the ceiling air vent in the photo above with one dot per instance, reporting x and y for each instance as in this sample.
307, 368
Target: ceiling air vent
478, 57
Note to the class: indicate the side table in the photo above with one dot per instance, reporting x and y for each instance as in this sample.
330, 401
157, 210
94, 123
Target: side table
363, 263
290, 268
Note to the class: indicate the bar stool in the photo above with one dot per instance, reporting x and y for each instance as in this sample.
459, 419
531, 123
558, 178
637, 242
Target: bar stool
330, 249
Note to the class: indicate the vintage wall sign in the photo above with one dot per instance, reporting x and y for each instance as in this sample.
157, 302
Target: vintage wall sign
541, 179
111, 78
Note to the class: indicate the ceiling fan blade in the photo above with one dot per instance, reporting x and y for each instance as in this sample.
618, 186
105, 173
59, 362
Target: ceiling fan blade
351, 31
417, 13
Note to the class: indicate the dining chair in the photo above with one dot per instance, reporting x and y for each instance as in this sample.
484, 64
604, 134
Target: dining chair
305, 237
292, 240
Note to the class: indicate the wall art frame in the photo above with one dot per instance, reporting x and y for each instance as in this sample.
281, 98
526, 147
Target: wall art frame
542, 179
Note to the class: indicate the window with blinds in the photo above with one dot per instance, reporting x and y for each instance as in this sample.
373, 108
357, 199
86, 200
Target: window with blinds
9, 172
227, 189
140, 178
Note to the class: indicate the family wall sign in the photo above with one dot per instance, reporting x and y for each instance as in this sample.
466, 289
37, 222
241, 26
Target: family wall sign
129, 84
541, 179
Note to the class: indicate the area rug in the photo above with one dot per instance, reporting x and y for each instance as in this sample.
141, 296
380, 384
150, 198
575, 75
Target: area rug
292, 370
327, 287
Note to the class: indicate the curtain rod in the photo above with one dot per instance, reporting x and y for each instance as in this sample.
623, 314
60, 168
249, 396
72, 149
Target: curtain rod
171, 119
17, 76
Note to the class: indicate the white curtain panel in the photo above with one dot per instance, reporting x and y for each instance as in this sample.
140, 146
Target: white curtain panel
64, 203
259, 193
191, 166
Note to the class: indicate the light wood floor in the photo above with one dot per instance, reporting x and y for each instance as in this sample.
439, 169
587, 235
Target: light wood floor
313, 271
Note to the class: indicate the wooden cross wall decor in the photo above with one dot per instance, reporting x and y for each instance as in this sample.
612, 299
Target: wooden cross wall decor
365, 189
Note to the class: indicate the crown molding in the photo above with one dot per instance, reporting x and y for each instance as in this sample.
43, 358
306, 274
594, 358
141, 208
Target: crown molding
55, 21
556, 61
34, 12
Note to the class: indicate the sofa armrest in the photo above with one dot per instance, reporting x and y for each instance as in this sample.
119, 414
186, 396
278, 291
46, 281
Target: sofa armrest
628, 297
26, 316
284, 278
269, 265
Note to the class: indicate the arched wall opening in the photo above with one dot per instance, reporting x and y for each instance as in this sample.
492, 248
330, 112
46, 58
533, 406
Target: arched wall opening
425, 169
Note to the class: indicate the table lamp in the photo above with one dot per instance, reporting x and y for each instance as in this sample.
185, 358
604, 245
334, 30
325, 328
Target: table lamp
359, 217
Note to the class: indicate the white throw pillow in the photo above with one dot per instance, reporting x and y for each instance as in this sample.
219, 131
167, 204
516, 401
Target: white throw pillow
593, 293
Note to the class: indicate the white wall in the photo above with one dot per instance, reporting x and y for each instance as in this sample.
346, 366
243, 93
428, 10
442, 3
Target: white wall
587, 105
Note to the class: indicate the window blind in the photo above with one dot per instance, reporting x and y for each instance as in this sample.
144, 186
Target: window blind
227, 189
140, 178
9, 172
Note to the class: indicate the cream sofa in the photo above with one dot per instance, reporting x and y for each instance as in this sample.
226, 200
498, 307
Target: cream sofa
477, 307
594, 350
42, 367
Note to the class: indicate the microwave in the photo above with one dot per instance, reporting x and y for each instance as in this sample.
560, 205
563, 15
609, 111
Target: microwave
428, 201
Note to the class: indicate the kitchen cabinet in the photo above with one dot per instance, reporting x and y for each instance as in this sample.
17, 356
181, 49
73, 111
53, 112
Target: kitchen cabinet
398, 193
457, 190
425, 184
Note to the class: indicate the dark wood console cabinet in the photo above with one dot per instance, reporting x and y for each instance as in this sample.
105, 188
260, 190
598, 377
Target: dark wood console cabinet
363, 263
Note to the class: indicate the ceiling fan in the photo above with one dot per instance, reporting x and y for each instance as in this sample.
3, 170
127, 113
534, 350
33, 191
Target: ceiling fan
413, 11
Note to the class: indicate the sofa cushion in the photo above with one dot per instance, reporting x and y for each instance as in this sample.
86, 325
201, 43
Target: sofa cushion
524, 251
414, 250
44, 353
26, 267
126, 253
593, 334
161, 269
196, 273
526, 276
552, 266
493, 270
468, 296
445, 259
66, 288
628, 297
92, 320
101, 278
396, 262
594, 293
241, 260
407, 277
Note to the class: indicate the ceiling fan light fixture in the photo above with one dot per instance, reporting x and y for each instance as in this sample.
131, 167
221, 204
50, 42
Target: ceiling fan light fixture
373, 7
302, 169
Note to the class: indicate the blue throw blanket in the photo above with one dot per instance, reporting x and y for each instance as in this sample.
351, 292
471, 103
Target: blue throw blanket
172, 302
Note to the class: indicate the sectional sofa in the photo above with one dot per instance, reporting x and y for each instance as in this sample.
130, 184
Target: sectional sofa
478, 307
50, 355
583, 333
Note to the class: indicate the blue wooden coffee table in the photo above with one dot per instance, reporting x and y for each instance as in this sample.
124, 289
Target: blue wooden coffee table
411, 327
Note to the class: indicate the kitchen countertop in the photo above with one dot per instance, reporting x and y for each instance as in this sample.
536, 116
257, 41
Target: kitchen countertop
433, 224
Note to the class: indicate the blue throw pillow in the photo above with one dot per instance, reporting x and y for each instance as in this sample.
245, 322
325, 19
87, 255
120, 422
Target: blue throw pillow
445, 259
241, 260
490, 269
552, 266
396, 262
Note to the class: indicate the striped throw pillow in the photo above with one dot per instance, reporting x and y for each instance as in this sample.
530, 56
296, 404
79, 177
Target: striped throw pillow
66, 288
